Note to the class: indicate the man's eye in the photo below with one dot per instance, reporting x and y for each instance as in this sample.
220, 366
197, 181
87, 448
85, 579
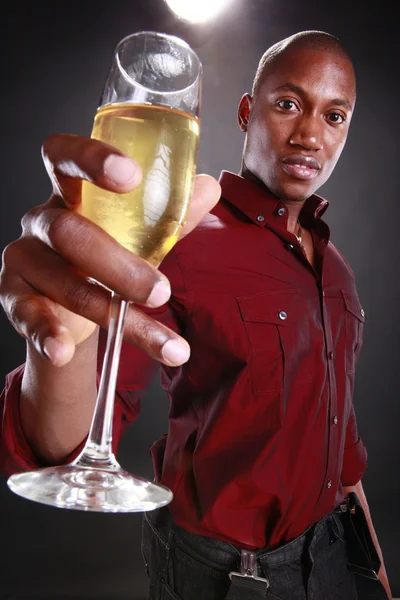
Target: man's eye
336, 118
287, 104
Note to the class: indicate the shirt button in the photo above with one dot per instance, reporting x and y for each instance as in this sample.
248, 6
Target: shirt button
290, 246
260, 218
329, 484
362, 312
281, 211
331, 355
282, 315
335, 420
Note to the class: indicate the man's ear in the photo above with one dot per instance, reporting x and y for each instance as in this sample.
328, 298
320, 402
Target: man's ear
244, 110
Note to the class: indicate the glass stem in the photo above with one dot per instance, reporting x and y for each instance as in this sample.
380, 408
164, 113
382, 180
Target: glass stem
98, 448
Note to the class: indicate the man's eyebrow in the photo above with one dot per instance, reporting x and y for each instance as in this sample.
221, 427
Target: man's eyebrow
290, 87
297, 89
342, 102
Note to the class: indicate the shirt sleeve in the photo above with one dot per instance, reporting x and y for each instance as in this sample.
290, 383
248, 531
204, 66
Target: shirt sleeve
135, 373
355, 454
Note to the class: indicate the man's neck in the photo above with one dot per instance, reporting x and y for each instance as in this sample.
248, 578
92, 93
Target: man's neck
294, 206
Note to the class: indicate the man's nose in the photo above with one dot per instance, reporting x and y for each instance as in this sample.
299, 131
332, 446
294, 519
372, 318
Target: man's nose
307, 134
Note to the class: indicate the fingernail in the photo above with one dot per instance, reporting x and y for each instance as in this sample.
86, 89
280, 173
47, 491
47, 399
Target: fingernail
175, 352
121, 169
54, 350
160, 294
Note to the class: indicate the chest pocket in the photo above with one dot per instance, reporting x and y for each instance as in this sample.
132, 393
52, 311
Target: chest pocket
278, 334
355, 319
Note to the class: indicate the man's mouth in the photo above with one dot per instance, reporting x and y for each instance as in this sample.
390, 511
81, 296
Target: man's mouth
301, 167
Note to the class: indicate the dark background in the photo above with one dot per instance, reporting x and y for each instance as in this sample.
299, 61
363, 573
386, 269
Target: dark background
54, 61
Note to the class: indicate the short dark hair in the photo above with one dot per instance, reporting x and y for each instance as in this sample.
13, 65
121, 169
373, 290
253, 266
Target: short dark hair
314, 39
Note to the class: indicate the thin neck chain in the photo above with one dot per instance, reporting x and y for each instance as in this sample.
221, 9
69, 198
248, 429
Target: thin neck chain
300, 240
299, 237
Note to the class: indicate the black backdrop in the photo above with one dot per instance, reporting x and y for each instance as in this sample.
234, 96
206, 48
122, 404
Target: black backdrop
54, 60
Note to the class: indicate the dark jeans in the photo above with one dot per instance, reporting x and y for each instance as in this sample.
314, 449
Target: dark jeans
185, 566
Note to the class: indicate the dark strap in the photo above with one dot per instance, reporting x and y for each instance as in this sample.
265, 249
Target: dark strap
361, 550
247, 588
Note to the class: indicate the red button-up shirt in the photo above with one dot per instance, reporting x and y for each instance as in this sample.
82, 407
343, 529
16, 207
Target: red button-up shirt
262, 431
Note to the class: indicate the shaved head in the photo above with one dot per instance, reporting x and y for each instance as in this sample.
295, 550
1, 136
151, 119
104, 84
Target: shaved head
312, 39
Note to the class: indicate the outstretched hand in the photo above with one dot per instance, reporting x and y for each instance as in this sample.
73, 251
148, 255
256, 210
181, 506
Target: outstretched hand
46, 288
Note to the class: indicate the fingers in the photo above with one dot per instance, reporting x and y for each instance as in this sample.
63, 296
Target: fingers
37, 265
71, 158
34, 317
92, 252
155, 339
206, 193
44, 308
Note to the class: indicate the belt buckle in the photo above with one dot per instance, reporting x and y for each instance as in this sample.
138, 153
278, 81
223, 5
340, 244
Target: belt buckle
248, 567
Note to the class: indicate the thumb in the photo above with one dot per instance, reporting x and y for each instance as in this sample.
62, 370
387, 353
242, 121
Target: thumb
206, 193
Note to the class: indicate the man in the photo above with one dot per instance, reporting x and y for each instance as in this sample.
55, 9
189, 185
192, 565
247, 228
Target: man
262, 445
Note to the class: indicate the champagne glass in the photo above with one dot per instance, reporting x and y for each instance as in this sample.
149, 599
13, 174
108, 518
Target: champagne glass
149, 110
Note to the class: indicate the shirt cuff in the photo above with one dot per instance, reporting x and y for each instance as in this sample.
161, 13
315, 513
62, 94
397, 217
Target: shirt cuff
15, 452
16, 455
354, 464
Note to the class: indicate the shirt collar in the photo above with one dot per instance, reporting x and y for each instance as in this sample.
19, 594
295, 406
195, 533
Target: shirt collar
258, 204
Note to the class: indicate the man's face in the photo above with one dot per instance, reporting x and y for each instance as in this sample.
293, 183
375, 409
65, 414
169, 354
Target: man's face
298, 122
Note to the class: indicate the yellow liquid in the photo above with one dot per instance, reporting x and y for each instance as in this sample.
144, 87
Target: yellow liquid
148, 220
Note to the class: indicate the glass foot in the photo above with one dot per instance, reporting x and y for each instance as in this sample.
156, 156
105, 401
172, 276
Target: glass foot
90, 489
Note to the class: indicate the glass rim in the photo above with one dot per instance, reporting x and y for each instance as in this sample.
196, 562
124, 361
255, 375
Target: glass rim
177, 40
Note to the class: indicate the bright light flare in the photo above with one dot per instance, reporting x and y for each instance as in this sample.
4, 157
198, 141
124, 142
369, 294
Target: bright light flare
197, 10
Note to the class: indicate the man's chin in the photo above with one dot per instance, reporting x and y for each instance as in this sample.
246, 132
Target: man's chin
295, 192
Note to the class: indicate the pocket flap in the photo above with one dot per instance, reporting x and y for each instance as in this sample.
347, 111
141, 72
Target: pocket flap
273, 307
353, 305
